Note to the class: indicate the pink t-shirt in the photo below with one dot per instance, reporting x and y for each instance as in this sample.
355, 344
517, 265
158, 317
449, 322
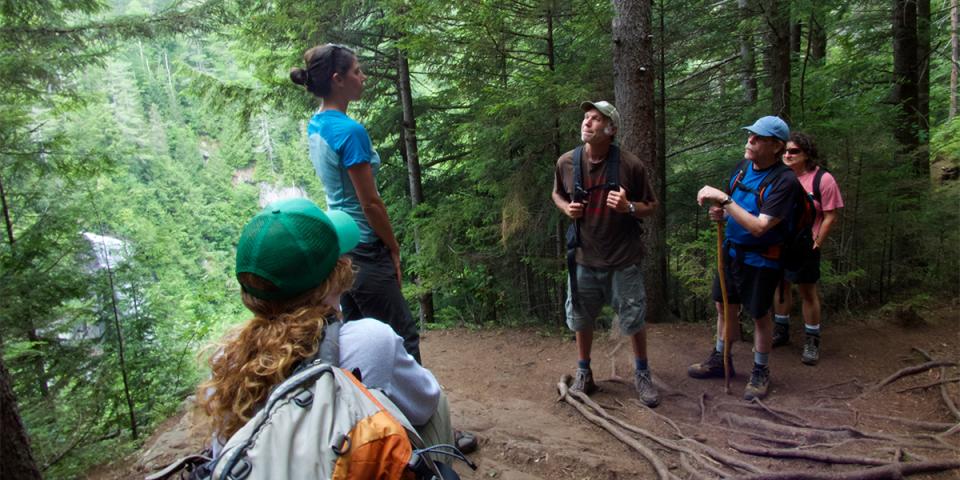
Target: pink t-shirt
829, 195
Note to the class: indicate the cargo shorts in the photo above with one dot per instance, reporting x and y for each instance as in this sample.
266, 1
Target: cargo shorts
622, 289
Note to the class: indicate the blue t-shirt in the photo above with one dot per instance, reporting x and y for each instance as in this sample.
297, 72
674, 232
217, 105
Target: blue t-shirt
338, 142
777, 202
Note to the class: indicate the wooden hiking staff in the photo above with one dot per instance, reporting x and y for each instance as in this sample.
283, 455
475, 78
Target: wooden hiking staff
726, 326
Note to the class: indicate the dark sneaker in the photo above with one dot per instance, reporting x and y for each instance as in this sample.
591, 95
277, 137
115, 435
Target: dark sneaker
583, 382
712, 367
811, 350
646, 390
781, 334
466, 441
759, 383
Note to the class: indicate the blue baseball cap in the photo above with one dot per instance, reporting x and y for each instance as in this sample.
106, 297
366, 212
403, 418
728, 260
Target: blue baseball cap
770, 126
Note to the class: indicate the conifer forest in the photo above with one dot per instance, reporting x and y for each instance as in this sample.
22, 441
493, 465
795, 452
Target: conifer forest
138, 136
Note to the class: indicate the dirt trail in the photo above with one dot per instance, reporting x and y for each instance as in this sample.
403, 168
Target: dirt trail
502, 385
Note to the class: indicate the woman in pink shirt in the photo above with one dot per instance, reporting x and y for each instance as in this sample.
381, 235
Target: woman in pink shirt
803, 158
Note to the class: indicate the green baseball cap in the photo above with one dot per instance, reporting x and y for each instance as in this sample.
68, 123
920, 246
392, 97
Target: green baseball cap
295, 245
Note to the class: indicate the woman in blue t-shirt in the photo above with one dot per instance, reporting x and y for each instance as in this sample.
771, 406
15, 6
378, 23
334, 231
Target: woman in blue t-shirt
343, 156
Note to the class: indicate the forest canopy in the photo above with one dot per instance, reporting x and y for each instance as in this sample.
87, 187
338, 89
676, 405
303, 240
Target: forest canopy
137, 137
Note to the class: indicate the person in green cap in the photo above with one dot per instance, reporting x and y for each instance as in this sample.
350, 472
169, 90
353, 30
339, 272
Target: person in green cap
292, 266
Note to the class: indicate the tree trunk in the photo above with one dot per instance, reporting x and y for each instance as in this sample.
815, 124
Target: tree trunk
633, 89
817, 36
659, 172
796, 37
923, 85
748, 78
266, 142
556, 287
905, 83
171, 90
7, 221
32, 331
777, 58
413, 167
955, 56
16, 458
120, 346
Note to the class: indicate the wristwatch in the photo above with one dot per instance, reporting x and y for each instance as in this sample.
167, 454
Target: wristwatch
726, 201
631, 208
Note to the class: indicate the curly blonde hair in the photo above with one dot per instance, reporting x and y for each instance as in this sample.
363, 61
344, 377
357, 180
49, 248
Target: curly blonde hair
261, 353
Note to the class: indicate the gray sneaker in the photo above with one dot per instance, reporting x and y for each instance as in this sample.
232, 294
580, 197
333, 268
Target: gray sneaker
781, 334
583, 382
759, 383
646, 390
811, 350
712, 367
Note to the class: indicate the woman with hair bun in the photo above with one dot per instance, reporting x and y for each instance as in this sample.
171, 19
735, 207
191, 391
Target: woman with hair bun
802, 156
343, 157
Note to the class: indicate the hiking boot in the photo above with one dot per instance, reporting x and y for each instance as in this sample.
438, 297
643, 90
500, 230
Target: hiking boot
781, 334
712, 367
759, 383
584, 382
646, 390
811, 350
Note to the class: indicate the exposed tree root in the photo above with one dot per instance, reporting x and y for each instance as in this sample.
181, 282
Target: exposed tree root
944, 394
907, 371
805, 455
952, 430
785, 433
805, 434
685, 463
890, 471
703, 406
932, 426
649, 455
855, 382
930, 384
785, 417
711, 455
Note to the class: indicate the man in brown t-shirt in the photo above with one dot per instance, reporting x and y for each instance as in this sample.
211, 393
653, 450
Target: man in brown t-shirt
610, 251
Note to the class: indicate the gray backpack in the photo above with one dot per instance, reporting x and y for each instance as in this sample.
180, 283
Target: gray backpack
320, 423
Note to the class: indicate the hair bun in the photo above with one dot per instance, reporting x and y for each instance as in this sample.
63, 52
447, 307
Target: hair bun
298, 76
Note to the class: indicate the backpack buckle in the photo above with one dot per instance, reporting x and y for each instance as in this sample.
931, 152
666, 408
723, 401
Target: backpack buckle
579, 194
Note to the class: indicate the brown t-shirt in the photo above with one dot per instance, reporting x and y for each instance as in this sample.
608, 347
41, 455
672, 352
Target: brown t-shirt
608, 239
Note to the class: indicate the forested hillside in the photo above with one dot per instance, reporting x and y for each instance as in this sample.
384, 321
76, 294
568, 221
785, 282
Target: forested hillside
137, 136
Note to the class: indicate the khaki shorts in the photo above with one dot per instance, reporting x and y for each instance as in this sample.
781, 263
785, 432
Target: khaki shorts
621, 289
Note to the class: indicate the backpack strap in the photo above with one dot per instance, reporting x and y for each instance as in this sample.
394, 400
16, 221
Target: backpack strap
329, 351
613, 168
736, 175
577, 172
761, 189
816, 184
774, 174
612, 181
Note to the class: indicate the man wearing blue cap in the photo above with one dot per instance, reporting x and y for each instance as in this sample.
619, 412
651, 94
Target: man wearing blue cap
762, 193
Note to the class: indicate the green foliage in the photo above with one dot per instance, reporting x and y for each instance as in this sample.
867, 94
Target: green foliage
166, 142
